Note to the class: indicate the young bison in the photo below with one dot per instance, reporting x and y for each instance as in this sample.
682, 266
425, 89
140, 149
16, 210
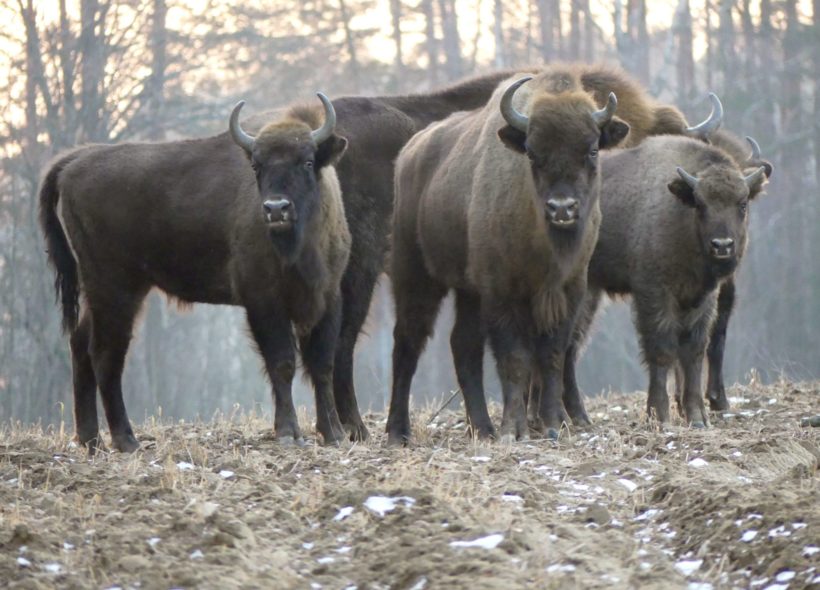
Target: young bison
270, 236
674, 229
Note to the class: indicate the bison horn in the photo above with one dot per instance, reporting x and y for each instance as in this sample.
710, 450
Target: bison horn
755, 155
326, 130
687, 178
604, 116
712, 123
242, 139
515, 119
754, 177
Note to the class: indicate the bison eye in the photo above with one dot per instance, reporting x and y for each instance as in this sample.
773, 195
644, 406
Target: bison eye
309, 164
593, 153
742, 209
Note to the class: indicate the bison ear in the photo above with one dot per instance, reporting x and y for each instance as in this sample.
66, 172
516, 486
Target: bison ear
513, 138
757, 187
613, 133
330, 151
684, 192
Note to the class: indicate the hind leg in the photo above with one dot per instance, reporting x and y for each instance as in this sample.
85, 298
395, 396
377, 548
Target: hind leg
418, 297
467, 345
112, 320
86, 423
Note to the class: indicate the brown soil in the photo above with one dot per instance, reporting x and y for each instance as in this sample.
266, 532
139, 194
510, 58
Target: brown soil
616, 505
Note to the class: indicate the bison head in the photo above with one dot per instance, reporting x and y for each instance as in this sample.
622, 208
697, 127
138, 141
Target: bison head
287, 157
720, 195
561, 137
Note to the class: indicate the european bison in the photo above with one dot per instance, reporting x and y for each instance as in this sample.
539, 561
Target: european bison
232, 219
674, 229
509, 225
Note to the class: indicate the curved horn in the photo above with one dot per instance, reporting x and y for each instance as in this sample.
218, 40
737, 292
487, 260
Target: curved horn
604, 116
242, 139
712, 122
515, 119
687, 178
754, 177
326, 130
755, 155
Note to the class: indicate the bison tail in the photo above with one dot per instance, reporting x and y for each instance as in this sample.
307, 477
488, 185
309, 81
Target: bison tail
59, 251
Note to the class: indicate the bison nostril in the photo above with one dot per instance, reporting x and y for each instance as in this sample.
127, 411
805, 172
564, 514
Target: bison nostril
722, 243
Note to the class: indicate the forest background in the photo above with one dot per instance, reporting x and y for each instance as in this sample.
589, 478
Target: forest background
79, 71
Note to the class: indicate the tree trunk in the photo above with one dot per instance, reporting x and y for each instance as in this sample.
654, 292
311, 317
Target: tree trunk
686, 62
639, 35
547, 29
452, 43
156, 82
398, 60
726, 43
498, 32
816, 117
67, 69
431, 42
575, 30
92, 70
350, 43
589, 33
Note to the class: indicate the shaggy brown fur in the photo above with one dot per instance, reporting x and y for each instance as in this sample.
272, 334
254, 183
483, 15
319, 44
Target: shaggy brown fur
471, 216
655, 243
199, 239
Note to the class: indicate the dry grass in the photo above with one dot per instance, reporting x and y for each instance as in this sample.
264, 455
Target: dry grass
221, 505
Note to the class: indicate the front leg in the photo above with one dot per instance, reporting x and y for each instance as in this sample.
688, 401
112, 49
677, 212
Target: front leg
573, 400
715, 390
318, 347
692, 348
511, 342
272, 332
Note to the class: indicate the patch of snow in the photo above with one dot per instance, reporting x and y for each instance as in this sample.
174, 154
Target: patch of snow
315, 586
779, 532
67, 546
345, 549
326, 560
480, 459
687, 567
699, 586
196, 554
737, 454
153, 541
184, 466
629, 485
798, 525
53, 568
748, 536
344, 461
343, 513
23, 562
698, 462
560, 567
420, 584
226, 474
651, 513
307, 546
381, 505
511, 498
785, 576
810, 550
488, 542
776, 587
738, 400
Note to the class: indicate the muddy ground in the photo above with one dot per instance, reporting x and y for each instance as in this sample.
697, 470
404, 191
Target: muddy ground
616, 505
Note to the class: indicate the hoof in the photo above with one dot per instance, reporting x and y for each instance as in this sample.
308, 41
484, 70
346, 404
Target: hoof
290, 441
698, 424
398, 439
357, 432
125, 443
507, 439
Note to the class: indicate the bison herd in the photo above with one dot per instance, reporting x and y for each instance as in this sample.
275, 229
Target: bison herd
528, 194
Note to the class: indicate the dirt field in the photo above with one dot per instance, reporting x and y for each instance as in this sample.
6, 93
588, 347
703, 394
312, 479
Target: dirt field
222, 505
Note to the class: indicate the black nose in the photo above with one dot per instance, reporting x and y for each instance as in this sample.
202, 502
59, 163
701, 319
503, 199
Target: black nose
277, 210
562, 211
723, 247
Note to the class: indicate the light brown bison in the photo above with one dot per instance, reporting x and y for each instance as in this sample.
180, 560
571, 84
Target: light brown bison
674, 229
509, 225
233, 219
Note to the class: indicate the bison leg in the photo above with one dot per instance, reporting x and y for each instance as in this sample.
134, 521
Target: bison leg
512, 347
357, 290
111, 325
86, 423
659, 343
274, 338
550, 351
692, 349
715, 390
467, 344
573, 400
417, 304
317, 355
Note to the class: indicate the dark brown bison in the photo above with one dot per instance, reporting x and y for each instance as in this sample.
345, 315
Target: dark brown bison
509, 225
262, 227
674, 229
715, 389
